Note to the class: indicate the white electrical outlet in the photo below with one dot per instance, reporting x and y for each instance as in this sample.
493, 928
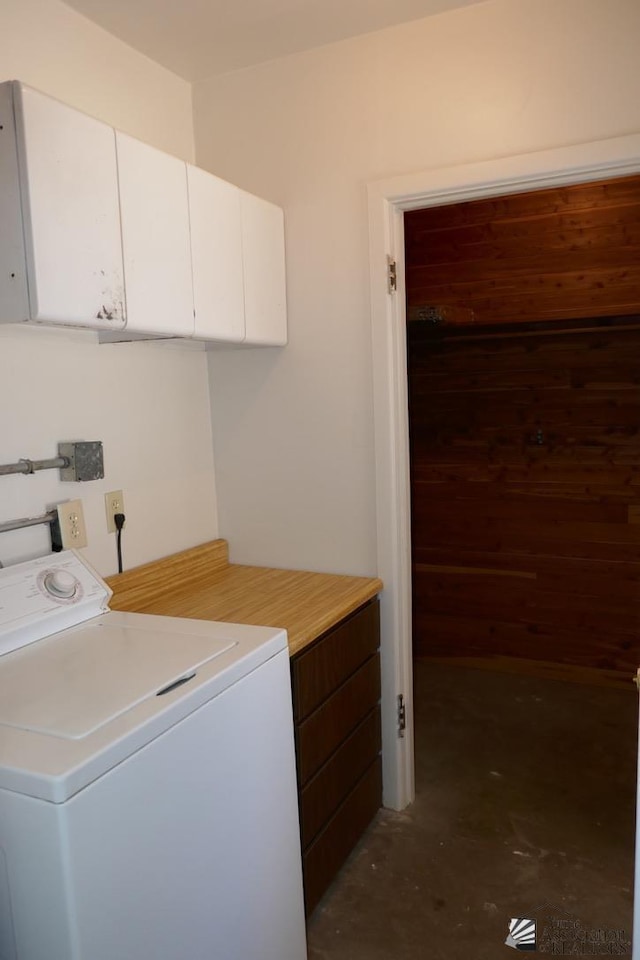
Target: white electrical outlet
113, 503
73, 532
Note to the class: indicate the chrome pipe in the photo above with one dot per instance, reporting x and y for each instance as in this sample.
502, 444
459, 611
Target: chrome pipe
31, 466
28, 522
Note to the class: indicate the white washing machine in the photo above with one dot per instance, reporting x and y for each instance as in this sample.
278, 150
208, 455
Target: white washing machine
148, 803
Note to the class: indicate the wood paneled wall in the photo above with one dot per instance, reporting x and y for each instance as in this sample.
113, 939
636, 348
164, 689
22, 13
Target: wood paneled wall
547, 255
526, 496
525, 427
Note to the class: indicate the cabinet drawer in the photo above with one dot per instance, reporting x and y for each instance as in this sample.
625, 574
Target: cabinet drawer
325, 792
332, 846
321, 733
318, 671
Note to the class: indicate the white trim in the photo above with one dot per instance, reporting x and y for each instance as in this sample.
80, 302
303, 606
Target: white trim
387, 201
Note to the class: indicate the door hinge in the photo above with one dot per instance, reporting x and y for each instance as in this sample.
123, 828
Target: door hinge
392, 275
402, 715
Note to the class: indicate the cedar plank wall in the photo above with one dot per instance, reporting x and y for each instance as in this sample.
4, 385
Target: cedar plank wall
524, 545
546, 255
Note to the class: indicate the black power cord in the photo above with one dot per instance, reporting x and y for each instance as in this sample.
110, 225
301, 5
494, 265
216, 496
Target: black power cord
118, 519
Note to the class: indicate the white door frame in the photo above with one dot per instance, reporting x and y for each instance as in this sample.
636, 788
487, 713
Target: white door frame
388, 199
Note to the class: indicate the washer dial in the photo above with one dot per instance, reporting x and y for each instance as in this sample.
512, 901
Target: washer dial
61, 584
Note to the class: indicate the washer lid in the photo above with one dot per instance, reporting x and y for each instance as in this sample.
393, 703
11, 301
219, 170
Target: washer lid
71, 685
75, 705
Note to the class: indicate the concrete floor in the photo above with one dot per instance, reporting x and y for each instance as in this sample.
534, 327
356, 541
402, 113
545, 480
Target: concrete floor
525, 794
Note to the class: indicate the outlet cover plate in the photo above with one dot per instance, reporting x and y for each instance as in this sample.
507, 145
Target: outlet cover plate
73, 532
113, 503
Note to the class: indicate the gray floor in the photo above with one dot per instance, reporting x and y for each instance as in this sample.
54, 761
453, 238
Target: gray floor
525, 795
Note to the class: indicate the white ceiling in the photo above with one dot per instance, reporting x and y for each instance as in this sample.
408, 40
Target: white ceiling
198, 38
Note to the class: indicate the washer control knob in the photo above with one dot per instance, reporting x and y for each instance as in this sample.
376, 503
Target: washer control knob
60, 583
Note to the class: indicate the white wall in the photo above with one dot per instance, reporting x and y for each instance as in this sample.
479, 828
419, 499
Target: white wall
293, 429
148, 403
55, 49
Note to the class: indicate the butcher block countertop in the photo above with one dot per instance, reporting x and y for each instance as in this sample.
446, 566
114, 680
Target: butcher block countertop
201, 584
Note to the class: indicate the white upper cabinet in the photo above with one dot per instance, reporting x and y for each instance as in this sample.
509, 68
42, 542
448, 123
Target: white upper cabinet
59, 196
101, 230
156, 245
216, 251
265, 301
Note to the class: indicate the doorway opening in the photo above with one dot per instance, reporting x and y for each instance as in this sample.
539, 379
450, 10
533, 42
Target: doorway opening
388, 200
523, 359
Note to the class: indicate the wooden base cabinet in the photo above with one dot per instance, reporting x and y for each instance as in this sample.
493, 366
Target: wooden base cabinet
336, 705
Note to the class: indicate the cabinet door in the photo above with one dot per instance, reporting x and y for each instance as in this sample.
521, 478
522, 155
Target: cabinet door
216, 254
264, 271
154, 210
69, 189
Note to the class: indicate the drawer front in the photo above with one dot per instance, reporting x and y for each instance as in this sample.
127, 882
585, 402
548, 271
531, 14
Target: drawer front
324, 793
318, 671
321, 733
333, 845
